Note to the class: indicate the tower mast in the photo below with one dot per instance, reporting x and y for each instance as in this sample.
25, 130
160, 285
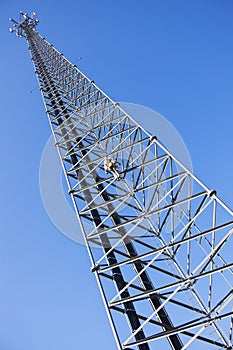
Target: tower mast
164, 237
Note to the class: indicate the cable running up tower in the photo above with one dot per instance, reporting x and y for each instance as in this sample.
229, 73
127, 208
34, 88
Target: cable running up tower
164, 237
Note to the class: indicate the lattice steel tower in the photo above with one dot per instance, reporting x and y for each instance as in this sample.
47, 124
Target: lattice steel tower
164, 262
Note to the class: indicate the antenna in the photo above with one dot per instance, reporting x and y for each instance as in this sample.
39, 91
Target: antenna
24, 22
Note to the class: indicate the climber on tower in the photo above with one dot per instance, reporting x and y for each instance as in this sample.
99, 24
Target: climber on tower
112, 166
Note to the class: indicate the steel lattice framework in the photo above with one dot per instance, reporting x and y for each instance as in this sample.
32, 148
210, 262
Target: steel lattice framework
164, 260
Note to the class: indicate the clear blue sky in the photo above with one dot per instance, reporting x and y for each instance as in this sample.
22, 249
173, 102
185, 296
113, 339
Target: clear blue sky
173, 56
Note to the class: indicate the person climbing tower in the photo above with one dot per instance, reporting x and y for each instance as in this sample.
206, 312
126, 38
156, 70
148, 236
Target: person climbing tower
112, 166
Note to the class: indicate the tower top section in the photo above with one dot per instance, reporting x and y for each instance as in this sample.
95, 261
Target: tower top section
24, 21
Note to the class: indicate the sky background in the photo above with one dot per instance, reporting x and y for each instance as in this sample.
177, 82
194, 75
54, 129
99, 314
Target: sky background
174, 56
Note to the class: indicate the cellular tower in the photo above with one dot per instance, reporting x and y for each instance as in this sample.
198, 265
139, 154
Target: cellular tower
159, 240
